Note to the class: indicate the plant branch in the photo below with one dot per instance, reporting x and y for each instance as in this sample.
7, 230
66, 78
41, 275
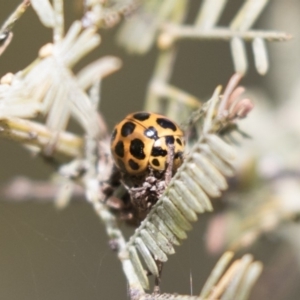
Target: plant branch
30, 133
177, 32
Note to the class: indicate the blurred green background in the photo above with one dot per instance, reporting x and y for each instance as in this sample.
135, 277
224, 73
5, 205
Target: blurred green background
49, 254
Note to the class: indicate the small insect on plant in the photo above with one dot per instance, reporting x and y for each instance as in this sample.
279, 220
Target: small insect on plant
147, 149
148, 172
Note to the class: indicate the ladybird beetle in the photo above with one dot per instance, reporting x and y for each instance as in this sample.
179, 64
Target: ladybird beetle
141, 140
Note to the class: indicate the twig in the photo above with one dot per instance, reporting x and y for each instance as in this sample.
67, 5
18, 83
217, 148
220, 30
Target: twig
178, 32
91, 184
34, 134
22, 189
5, 30
10, 22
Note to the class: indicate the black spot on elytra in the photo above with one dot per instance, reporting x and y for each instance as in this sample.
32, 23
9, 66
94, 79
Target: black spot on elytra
178, 155
169, 140
155, 162
165, 123
127, 129
133, 165
119, 149
113, 135
141, 116
158, 151
151, 133
137, 149
179, 141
